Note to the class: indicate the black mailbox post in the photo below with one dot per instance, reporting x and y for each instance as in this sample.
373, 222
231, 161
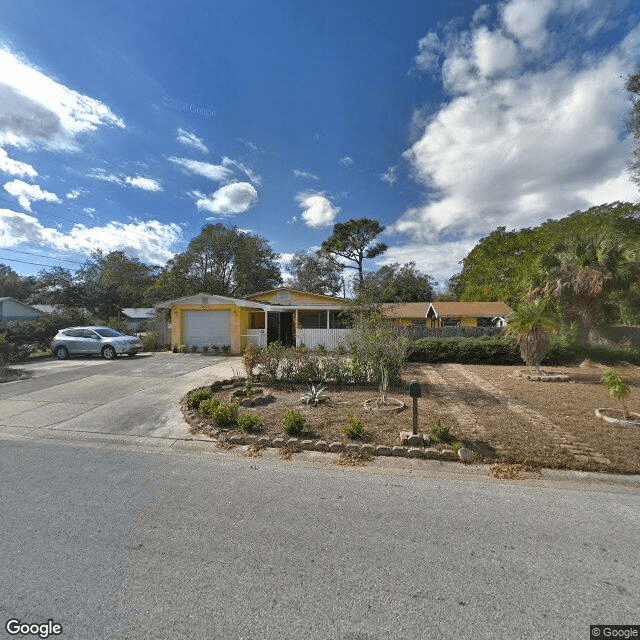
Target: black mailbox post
415, 391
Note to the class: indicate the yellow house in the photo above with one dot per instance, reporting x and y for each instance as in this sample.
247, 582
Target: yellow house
285, 315
467, 314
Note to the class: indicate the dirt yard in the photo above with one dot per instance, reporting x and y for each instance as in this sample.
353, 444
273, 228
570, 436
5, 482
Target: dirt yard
540, 424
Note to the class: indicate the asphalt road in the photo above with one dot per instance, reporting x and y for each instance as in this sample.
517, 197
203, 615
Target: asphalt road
127, 396
141, 537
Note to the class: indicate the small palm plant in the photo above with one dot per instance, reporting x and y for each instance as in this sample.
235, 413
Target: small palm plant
315, 395
531, 325
616, 387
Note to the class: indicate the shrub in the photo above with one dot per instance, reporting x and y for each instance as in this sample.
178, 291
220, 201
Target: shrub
616, 388
209, 406
293, 423
250, 359
440, 432
248, 421
465, 350
354, 428
224, 414
197, 397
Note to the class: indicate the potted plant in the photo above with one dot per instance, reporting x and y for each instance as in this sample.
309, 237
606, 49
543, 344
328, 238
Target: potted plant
617, 389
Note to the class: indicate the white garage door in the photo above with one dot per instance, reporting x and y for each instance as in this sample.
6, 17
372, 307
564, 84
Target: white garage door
211, 328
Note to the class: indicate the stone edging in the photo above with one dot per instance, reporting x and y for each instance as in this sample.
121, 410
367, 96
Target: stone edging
193, 418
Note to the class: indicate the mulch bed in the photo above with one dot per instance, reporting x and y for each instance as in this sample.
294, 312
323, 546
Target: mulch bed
553, 424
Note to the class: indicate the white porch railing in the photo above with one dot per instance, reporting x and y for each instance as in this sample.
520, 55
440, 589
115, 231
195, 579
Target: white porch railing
328, 338
257, 337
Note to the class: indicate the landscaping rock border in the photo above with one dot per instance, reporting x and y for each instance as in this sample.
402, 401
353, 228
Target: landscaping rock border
193, 419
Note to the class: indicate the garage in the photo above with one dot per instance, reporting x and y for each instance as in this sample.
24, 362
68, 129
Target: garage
212, 328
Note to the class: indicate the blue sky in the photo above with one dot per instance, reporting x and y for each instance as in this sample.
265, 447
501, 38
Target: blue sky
130, 125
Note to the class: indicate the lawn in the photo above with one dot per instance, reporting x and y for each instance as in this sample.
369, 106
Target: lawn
502, 418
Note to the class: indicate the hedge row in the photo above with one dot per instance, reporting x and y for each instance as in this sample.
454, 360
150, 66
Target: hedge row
504, 350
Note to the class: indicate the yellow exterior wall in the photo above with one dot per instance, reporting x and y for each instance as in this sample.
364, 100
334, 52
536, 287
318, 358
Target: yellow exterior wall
469, 322
239, 323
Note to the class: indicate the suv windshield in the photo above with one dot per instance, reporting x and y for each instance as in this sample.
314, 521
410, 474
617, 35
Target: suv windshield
108, 333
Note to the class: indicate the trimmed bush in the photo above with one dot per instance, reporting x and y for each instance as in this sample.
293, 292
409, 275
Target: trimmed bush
354, 428
209, 406
293, 423
225, 415
197, 397
465, 350
248, 421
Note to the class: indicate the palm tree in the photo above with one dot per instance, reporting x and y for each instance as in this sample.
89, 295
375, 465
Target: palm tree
531, 324
581, 273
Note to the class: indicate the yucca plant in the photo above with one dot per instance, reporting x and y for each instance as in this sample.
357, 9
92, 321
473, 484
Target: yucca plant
531, 325
315, 395
616, 387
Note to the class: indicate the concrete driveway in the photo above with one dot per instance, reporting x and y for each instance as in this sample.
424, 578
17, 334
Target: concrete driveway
127, 396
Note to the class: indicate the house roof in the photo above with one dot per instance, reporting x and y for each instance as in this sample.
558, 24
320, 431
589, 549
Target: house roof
308, 293
470, 309
207, 298
22, 304
404, 309
139, 313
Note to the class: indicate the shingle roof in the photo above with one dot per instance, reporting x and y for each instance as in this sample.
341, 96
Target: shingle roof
405, 309
139, 312
471, 309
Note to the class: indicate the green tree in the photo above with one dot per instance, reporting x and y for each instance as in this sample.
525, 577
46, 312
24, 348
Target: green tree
315, 273
353, 241
58, 286
633, 123
583, 272
15, 286
224, 261
531, 324
113, 281
397, 283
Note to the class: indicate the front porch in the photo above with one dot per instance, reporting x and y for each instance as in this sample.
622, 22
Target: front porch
310, 328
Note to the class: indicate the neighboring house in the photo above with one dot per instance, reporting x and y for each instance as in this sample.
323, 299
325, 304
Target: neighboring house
406, 313
12, 310
280, 315
468, 314
135, 317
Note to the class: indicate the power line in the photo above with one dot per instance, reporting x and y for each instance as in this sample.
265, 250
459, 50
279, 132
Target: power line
39, 264
39, 255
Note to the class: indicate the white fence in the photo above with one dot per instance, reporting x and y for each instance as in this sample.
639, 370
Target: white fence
328, 338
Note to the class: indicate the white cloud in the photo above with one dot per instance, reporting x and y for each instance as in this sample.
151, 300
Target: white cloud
149, 241
390, 175
439, 261
514, 148
297, 173
429, 50
317, 209
105, 176
216, 172
190, 139
146, 184
228, 162
28, 193
236, 197
526, 20
493, 52
15, 167
37, 111
74, 193
347, 161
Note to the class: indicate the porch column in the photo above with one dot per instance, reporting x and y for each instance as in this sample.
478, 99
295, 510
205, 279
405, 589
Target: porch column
295, 328
266, 328
327, 319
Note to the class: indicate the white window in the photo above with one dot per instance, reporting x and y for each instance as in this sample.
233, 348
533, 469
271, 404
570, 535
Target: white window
283, 296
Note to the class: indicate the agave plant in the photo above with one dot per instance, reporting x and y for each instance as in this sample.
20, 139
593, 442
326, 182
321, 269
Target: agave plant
315, 395
531, 325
